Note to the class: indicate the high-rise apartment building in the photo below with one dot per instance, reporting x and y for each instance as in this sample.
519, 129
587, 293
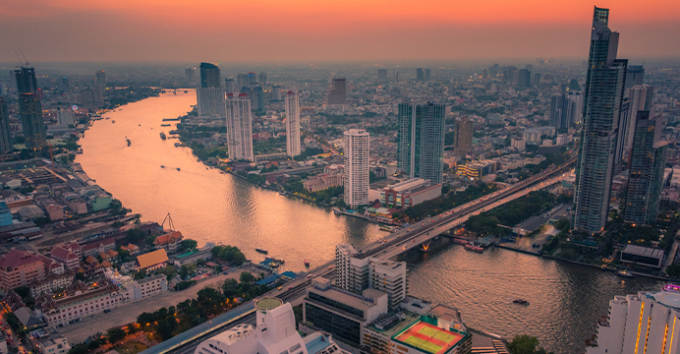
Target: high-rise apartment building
382, 74
642, 323
241, 82
603, 98
524, 78
189, 73
463, 137
6, 145
230, 86
420, 133
251, 78
343, 255
277, 93
30, 109
647, 163
256, 96
576, 98
293, 124
262, 78
65, 86
337, 95
426, 75
419, 75
561, 111
634, 76
356, 156
239, 127
101, 78
210, 94
639, 98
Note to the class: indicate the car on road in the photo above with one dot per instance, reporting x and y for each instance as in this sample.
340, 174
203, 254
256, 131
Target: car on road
290, 288
309, 275
280, 288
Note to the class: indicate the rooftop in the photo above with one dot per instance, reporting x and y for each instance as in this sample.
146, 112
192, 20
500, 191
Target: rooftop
152, 258
643, 251
395, 322
356, 301
428, 338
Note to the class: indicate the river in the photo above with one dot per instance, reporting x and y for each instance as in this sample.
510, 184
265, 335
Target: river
565, 300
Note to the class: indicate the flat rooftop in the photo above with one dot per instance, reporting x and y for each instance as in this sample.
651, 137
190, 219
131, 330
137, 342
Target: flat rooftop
428, 338
394, 323
643, 251
345, 297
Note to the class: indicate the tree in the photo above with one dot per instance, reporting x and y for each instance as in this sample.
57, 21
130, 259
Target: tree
117, 224
116, 208
132, 328
673, 270
135, 235
189, 244
141, 274
246, 277
80, 276
524, 344
80, 348
230, 288
22, 291
115, 334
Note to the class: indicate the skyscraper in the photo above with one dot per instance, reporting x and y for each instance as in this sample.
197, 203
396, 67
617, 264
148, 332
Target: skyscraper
189, 73
524, 78
210, 94
293, 124
356, 155
421, 140
561, 111
239, 127
463, 137
647, 164
382, 74
30, 109
639, 98
634, 76
576, 98
426, 75
256, 96
101, 78
419, 75
230, 86
65, 85
262, 78
337, 95
603, 98
6, 145
252, 78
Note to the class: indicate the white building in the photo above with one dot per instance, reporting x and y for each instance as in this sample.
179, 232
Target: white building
518, 143
239, 127
357, 145
293, 124
409, 193
642, 323
66, 117
274, 333
343, 253
210, 102
56, 345
576, 98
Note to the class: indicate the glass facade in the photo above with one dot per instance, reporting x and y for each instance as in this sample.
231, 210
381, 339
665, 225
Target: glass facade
342, 328
420, 134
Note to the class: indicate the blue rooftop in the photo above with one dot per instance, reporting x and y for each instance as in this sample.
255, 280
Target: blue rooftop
289, 274
317, 344
268, 280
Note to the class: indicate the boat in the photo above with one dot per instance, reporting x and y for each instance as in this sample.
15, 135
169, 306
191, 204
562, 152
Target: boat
108, 118
306, 263
113, 121
261, 250
625, 274
470, 247
460, 241
282, 192
162, 166
387, 228
280, 260
171, 119
337, 211
128, 141
140, 125
165, 125
520, 302
177, 168
185, 91
163, 136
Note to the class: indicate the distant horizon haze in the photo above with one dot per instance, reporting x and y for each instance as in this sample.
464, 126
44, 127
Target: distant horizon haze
325, 31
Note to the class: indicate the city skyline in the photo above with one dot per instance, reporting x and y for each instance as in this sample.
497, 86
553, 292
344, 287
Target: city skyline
117, 31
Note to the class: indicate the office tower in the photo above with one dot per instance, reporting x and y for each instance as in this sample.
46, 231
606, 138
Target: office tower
210, 94
241, 82
396, 77
419, 75
252, 78
101, 78
256, 96
485, 73
293, 124
421, 140
529, 67
65, 85
639, 98
337, 95
561, 111
189, 73
647, 164
382, 74
463, 137
30, 109
576, 98
87, 97
493, 71
6, 145
262, 78
536, 80
230, 86
426, 75
634, 76
277, 93
642, 323
98, 95
573, 85
603, 98
524, 78
510, 75
356, 155
239, 127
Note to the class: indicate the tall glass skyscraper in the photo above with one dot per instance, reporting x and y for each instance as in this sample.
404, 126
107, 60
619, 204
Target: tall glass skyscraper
603, 97
421, 140
5, 132
647, 164
30, 109
210, 94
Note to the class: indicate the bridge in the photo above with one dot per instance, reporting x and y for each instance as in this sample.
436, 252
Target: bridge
388, 247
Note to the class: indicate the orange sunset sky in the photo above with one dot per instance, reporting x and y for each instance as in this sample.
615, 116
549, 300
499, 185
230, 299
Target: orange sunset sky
326, 30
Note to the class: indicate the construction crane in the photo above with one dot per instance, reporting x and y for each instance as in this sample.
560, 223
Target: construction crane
171, 225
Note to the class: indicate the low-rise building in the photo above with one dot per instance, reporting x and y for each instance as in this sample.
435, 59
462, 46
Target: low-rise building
323, 182
96, 247
644, 256
55, 345
409, 193
64, 256
149, 286
50, 283
20, 268
5, 215
170, 241
152, 260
